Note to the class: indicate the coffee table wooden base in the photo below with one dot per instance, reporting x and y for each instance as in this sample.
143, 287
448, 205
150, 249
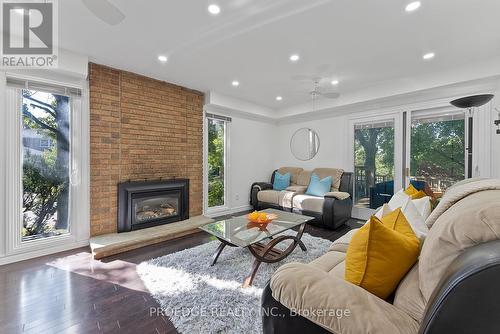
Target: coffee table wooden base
267, 253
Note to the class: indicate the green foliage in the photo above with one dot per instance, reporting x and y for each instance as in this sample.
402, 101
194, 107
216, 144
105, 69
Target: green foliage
215, 193
437, 149
379, 143
46, 176
215, 163
42, 185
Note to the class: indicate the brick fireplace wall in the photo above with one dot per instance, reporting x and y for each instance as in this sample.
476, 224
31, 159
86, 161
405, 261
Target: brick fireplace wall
140, 128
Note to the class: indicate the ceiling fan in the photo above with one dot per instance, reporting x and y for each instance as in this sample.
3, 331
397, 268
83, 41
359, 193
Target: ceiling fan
105, 11
322, 91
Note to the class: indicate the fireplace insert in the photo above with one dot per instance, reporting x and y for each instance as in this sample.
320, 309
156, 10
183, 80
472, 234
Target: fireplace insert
151, 203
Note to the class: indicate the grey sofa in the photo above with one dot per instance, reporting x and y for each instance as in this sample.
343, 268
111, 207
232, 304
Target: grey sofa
331, 211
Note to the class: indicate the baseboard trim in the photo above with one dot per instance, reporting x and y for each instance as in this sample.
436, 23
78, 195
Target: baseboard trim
228, 211
42, 252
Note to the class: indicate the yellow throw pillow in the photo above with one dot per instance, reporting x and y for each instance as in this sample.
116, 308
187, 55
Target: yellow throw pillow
378, 256
397, 221
414, 193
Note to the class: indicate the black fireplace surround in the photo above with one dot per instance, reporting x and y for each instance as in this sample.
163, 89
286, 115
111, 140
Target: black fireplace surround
145, 204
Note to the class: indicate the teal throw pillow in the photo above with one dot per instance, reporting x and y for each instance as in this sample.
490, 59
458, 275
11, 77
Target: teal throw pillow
319, 187
281, 182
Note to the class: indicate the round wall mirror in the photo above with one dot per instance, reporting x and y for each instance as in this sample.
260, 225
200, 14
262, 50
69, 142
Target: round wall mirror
304, 144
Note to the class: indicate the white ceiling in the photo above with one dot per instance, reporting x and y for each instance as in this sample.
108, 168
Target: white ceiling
361, 43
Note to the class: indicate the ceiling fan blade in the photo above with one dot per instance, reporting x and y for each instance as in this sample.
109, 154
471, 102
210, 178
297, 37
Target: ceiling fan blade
105, 11
330, 95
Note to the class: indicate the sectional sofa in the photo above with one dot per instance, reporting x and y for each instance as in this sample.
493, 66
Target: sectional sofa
330, 211
453, 288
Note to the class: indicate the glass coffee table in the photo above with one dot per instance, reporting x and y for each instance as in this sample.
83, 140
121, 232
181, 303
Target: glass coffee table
259, 238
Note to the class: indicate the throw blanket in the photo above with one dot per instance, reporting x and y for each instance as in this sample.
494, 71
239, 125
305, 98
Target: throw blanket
459, 191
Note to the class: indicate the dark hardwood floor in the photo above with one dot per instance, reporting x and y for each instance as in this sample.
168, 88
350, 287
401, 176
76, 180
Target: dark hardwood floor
69, 292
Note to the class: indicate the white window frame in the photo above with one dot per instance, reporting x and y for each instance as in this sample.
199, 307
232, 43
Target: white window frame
79, 231
436, 112
365, 213
222, 209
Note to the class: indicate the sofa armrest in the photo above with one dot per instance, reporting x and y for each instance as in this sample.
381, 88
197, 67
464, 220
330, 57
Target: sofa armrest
262, 185
342, 243
297, 189
254, 189
335, 304
340, 195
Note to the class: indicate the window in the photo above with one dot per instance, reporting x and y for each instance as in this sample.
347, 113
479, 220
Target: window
373, 163
216, 160
437, 153
47, 174
46, 166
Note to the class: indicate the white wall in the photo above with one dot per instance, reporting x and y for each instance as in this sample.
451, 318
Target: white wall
251, 155
251, 150
333, 137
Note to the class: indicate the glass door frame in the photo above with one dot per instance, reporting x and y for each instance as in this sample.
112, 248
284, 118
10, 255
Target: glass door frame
436, 112
221, 209
396, 117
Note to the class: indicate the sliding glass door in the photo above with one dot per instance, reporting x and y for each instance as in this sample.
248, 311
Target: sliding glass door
429, 148
437, 154
374, 164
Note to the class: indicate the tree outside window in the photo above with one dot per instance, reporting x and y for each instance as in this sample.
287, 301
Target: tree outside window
216, 153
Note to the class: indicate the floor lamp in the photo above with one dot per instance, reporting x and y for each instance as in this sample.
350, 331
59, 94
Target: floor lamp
469, 103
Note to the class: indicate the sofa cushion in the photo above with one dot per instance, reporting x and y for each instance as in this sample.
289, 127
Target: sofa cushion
306, 288
335, 173
309, 203
304, 178
285, 199
342, 243
408, 296
297, 189
281, 181
340, 195
472, 220
319, 187
379, 256
328, 261
268, 196
294, 173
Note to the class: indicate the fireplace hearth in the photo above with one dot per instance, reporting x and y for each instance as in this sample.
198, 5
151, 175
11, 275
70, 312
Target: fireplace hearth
151, 203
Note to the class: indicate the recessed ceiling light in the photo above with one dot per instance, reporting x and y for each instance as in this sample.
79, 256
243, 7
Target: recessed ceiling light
294, 57
413, 6
279, 98
428, 56
213, 9
235, 83
163, 59
335, 82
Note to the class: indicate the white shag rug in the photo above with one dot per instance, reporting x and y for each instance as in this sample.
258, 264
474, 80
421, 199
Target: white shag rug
199, 298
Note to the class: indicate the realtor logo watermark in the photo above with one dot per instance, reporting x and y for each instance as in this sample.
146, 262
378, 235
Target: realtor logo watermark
29, 38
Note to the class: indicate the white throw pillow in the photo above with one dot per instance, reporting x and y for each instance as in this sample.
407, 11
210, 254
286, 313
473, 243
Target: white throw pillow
398, 200
416, 220
423, 206
383, 211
